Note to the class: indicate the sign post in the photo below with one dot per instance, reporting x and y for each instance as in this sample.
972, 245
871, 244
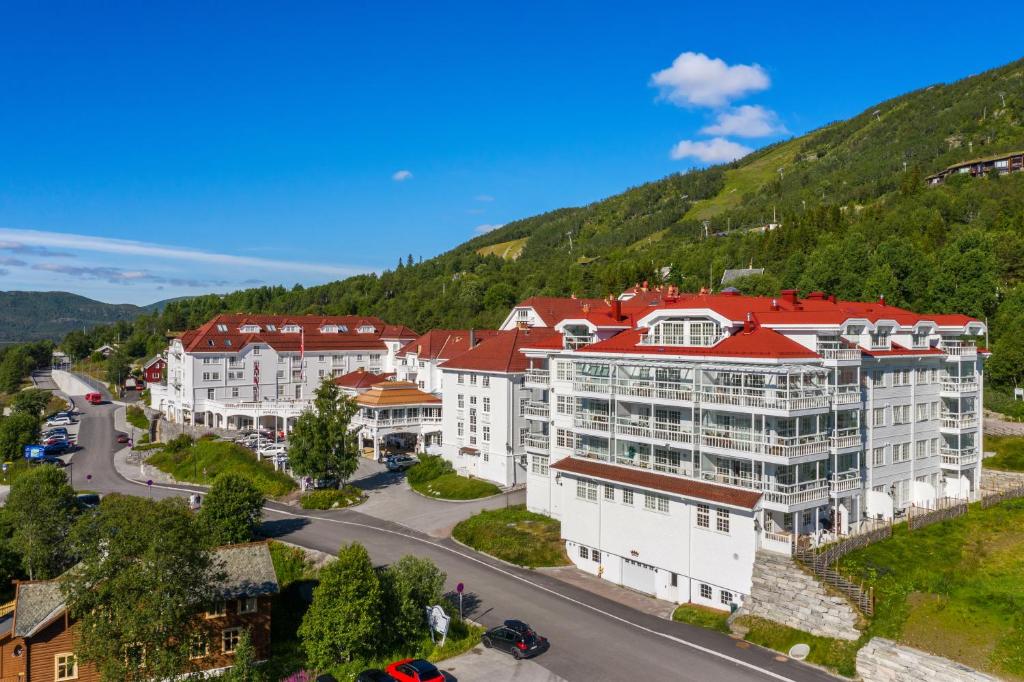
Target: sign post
459, 588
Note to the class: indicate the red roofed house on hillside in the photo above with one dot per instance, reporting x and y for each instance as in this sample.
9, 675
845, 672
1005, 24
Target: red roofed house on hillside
239, 369
675, 434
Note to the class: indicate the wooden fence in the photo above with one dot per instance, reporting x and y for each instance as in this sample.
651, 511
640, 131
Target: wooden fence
821, 559
946, 508
1005, 495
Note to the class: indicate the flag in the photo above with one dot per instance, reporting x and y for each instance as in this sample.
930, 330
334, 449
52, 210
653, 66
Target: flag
302, 353
256, 380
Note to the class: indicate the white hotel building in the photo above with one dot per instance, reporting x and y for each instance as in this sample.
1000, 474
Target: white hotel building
237, 370
675, 435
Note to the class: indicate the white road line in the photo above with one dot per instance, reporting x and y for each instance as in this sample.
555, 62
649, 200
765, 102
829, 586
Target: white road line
697, 647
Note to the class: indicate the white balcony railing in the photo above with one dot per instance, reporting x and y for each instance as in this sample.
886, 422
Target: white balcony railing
779, 542
846, 394
763, 398
844, 482
958, 456
540, 377
394, 421
779, 446
837, 352
958, 421
592, 421
958, 348
592, 385
779, 493
655, 390
574, 342
702, 340
957, 385
845, 438
537, 409
538, 441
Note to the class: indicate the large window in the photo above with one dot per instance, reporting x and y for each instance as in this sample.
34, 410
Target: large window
230, 638
248, 605
539, 464
65, 667
722, 520
586, 490
703, 516
705, 591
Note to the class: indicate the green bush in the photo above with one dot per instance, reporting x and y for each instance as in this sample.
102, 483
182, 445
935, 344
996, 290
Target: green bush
332, 499
202, 461
515, 535
429, 468
137, 418
290, 564
1003, 402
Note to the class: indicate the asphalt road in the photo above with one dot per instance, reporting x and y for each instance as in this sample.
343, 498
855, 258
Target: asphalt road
592, 638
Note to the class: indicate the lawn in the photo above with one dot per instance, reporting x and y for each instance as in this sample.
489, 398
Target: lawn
515, 535
954, 588
332, 499
137, 418
434, 477
701, 616
509, 250
1009, 453
202, 461
836, 654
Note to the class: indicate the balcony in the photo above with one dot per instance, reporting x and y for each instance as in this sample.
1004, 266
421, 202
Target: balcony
844, 482
536, 410
694, 341
842, 439
830, 351
574, 342
958, 349
654, 390
770, 399
662, 431
958, 457
779, 446
602, 385
954, 421
538, 442
786, 494
798, 446
847, 394
592, 421
408, 421
592, 453
538, 377
959, 385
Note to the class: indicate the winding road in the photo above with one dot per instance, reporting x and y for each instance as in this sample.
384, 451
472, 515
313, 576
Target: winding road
593, 638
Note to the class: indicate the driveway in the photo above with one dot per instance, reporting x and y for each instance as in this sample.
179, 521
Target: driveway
487, 664
391, 499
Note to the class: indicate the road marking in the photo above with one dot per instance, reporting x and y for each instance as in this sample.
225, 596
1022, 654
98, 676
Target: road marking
697, 647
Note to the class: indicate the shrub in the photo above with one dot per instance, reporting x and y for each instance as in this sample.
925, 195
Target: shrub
179, 443
136, 417
209, 436
332, 499
290, 564
429, 468
201, 462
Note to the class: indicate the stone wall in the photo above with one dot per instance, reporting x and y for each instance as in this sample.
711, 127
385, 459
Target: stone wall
785, 593
992, 479
165, 431
882, 660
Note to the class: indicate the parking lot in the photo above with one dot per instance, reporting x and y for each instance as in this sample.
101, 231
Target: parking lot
494, 666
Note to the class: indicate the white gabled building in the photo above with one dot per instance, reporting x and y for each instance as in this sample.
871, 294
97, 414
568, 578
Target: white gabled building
237, 370
716, 425
420, 360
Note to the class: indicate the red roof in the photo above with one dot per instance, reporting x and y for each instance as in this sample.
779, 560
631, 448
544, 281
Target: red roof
441, 344
595, 310
760, 343
362, 379
502, 352
210, 339
686, 487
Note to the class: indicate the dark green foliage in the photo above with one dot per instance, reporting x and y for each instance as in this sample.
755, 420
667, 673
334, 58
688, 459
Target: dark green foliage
31, 315
41, 510
17, 431
332, 499
1009, 453
31, 401
145, 570
203, 461
515, 535
135, 416
321, 444
231, 511
244, 668
410, 585
429, 468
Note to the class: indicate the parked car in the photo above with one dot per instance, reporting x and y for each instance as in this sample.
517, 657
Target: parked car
57, 448
414, 670
55, 438
275, 450
374, 675
517, 638
87, 500
59, 431
122, 438
49, 459
59, 421
400, 462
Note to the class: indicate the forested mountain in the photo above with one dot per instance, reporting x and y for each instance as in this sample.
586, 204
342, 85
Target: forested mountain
35, 315
854, 216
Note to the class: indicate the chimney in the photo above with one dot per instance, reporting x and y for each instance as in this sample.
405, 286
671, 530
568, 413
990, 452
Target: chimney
586, 308
775, 304
832, 298
616, 310
789, 296
881, 299
472, 338
748, 325
643, 287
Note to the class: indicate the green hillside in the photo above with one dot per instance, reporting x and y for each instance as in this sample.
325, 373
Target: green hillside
34, 315
857, 220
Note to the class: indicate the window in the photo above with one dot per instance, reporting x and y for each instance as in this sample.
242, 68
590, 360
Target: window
878, 456
280, 374
472, 400
472, 380
705, 591
595, 556
462, 378
65, 667
320, 373
725, 597
539, 465
255, 350
627, 496
217, 609
900, 452
199, 646
229, 639
565, 438
485, 381
462, 428
609, 492
704, 519
675, 580
878, 417
210, 394
584, 553
462, 401
248, 605
921, 449
486, 435
655, 502
234, 392
922, 412
722, 520
564, 404
487, 404
222, 328
522, 406
586, 490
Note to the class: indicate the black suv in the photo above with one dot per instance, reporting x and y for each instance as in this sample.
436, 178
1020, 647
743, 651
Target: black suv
517, 638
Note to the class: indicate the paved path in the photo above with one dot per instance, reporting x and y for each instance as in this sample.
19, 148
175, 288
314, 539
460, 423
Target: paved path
593, 638
494, 666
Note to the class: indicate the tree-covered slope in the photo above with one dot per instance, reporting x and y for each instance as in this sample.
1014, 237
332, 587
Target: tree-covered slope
34, 315
856, 220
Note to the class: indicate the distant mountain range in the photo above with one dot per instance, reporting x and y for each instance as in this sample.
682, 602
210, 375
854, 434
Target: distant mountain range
35, 315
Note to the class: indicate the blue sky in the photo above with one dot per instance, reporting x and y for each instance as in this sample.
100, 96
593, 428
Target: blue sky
149, 152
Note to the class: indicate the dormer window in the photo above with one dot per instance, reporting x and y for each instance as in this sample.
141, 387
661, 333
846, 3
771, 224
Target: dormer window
366, 329
271, 327
290, 329
920, 338
880, 338
329, 329
250, 329
227, 342
683, 333
342, 328
522, 313
222, 328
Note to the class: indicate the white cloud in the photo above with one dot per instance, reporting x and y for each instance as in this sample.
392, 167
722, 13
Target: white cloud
483, 197
81, 242
716, 150
402, 175
487, 227
746, 121
694, 79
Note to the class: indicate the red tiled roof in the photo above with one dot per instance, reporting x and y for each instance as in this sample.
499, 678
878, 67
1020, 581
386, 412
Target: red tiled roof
362, 379
441, 344
760, 343
700, 490
389, 393
502, 352
209, 339
596, 310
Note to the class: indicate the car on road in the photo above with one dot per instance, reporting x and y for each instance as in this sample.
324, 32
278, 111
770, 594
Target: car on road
49, 459
94, 398
517, 638
374, 675
59, 421
122, 438
400, 462
414, 670
274, 450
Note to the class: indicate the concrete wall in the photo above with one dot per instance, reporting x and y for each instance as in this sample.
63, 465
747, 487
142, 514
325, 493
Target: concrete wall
784, 593
69, 383
882, 660
993, 479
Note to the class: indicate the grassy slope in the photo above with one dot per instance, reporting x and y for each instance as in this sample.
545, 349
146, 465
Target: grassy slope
455, 487
955, 588
1009, 453
509, 250
515, 535
203, 461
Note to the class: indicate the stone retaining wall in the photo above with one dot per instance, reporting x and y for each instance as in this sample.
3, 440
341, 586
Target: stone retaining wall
993, 479
785, 593
166, 430
882, 660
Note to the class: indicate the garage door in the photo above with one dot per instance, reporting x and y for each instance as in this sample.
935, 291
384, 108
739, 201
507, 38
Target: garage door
638, 576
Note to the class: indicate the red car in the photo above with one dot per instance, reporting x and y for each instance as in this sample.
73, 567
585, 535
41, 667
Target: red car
122, 438
414, 670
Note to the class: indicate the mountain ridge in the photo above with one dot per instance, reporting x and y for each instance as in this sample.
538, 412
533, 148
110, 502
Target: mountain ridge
36, 315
